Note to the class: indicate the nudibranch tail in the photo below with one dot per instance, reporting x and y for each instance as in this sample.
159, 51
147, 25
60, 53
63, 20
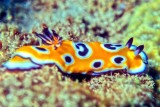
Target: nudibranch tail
93, 58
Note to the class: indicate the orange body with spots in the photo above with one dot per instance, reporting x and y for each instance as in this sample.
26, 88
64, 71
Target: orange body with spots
79, 57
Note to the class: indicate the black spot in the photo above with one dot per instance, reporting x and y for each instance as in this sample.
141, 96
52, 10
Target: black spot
68, 59
77, 46
109, 46
112, 46
118, 45
40, 49
97, 64
85, 49
118, 60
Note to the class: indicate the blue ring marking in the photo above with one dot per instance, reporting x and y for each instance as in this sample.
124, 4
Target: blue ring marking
118, 56
82, 50
67, 55
111, 47
100, 65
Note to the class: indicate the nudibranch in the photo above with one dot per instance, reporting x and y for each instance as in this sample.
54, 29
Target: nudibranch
91, 58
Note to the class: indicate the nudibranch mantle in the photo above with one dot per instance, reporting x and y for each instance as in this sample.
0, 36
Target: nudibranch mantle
92, 58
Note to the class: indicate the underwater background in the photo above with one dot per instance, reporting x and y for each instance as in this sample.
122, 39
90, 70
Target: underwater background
113, 21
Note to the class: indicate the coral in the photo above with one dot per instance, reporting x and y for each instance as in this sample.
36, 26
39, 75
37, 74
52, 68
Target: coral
8, 40
88, 18
0, 44
124, 89
46, 87
11, 38
157, 93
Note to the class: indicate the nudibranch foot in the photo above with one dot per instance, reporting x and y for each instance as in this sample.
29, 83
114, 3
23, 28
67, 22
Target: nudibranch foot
87, 58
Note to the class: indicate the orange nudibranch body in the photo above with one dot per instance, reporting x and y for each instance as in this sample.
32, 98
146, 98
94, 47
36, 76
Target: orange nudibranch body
79, 57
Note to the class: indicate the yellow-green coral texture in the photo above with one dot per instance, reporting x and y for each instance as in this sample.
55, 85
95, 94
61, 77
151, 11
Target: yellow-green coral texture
83, 20
48, 87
